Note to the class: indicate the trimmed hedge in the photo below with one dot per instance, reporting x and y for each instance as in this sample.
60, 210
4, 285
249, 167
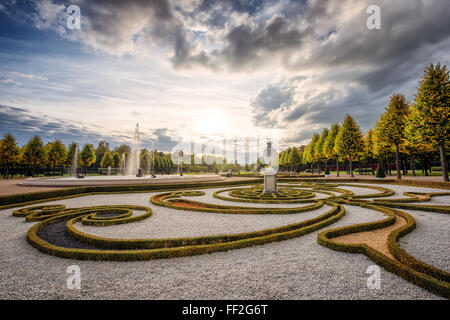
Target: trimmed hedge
171, 199
10, 201
428, 277
186, 247
112, 243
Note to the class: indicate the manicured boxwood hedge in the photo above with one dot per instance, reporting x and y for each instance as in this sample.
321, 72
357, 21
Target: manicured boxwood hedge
407, 267
11, 201
164, 248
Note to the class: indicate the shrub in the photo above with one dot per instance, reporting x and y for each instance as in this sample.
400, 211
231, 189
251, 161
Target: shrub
380, 172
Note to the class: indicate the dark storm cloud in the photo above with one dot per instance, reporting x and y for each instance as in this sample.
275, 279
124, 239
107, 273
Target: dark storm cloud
351, 69
216, 13
23, 125
270, 98
251, 47
163, 141
366, 66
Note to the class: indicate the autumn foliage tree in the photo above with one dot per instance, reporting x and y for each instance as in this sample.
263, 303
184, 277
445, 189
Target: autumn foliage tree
320, 155
328, 146
87, 156
391, 126
107, 160
56, 153
431, 111
8, 153
34, 153
349, 141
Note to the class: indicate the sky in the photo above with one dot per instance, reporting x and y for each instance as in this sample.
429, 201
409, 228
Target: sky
190, 70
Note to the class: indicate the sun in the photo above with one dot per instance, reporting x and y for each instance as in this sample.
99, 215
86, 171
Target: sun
211, 123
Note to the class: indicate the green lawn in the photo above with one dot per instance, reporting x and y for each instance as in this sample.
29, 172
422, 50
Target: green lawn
394, 172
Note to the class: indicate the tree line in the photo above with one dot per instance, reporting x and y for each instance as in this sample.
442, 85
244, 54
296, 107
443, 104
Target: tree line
54, 158
36, 158
408, 133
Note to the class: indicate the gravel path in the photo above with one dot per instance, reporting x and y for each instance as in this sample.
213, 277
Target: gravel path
294, 269
430, 241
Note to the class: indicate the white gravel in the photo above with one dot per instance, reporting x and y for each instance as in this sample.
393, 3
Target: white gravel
293, 269
430, 241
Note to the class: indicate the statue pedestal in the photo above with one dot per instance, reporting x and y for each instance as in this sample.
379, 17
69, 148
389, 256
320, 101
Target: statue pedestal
270, 181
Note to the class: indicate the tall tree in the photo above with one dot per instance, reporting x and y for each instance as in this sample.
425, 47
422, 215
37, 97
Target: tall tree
349, 141
369, 148
116, 160
311, 155
321, 155
107, 160
8, 153
432, 110
382, 150
56, 153
294, 158
328, 146
123, 148
100, 151
392, 125
34, 153
87, 156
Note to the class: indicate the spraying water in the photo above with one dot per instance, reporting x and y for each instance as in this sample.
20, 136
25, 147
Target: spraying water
122, 164
73, 167
132, 164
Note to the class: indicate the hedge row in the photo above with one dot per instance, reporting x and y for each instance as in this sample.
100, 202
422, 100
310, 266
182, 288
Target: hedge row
217, 194
403, 257
15, 200
407, 206
111, 243
178, 251
118, 214
125, 215
400, 268
169, 200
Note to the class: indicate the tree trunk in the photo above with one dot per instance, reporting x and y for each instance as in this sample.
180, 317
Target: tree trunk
350, 166
397, 161
404, 166
412, 166
444, 163
359, 166
337, 167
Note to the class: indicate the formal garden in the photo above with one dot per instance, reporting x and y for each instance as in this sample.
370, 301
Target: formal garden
310, 239
311, 235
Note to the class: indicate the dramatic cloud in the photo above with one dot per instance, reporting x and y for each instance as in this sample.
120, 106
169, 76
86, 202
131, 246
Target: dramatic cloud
300, 64
24, 124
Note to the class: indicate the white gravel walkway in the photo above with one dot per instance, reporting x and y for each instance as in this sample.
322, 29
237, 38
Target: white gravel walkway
293, 269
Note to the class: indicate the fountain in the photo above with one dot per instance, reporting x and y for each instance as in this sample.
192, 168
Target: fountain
131, 173
132, 163
122, 164
74, 165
